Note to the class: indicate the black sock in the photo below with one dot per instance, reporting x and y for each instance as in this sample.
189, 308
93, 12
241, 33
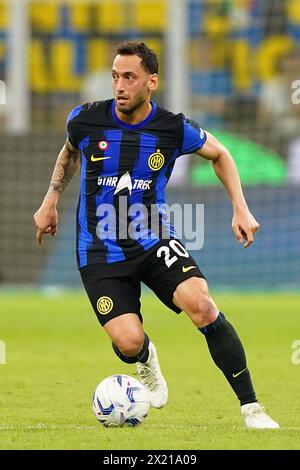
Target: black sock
142, 356
228, 354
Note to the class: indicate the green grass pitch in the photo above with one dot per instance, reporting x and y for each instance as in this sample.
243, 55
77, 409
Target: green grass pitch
57, 354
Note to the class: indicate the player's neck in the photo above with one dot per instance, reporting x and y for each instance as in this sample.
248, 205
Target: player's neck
137, 116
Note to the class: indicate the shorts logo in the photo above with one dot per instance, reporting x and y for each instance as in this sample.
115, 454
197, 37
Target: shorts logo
104, 305
188, 268
156, 160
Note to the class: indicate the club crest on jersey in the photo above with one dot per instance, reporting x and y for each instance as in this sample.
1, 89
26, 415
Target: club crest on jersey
103, 145
156, 160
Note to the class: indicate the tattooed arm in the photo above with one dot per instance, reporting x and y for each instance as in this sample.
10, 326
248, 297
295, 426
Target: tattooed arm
46, 218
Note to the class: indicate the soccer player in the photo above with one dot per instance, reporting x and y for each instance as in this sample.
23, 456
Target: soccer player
127, 147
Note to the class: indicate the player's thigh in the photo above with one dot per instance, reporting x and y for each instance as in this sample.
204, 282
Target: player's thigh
168, 266
193, 297
111, 297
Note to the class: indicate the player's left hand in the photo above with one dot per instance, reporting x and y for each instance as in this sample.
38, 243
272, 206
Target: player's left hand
244, 226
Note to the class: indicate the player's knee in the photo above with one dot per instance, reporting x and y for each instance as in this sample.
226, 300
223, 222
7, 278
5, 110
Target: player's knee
130, 346
202, 310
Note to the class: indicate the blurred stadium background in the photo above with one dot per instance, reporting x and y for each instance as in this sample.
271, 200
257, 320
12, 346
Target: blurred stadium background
229, 64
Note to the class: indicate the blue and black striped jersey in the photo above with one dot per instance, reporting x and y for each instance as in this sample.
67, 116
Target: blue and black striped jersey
124, 172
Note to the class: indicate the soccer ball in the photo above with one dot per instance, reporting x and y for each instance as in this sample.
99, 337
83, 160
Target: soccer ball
120, 400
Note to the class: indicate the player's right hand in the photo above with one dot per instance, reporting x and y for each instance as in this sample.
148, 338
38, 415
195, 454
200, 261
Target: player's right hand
46, 220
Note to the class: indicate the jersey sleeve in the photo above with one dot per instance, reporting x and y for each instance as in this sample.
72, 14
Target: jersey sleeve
193, 137
72, 127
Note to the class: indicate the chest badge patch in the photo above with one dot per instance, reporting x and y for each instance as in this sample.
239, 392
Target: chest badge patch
103, 145
156, 160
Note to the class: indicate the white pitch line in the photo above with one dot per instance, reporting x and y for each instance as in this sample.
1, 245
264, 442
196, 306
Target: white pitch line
49, 427
43, 427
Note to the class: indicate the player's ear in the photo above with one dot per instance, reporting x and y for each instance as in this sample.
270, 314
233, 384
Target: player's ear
153, 81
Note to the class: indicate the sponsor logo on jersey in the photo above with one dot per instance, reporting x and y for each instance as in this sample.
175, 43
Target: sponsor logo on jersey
124, 182
104, 305
156, 160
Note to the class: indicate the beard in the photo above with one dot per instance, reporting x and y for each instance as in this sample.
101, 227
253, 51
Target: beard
133, 108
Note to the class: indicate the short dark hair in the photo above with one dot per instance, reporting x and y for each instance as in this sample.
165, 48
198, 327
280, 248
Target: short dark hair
148, 56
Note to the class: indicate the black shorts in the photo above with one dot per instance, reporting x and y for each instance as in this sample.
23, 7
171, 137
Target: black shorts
115, 289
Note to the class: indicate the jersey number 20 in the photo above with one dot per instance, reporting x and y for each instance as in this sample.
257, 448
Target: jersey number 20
176, 247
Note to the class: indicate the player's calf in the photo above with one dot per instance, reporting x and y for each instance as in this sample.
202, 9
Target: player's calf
228, 354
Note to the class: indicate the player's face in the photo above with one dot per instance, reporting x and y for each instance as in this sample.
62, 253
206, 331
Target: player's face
132, 85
